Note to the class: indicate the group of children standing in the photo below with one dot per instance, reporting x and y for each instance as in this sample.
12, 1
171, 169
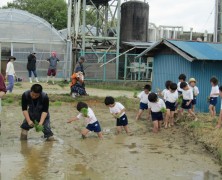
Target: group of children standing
161, 106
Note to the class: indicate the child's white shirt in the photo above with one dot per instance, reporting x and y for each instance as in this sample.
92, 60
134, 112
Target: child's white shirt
90, 119
10, 69
178, 87
188, 94
195, 90
117, 108
164, 92
157, 106
214, 89
143, 97
171, 97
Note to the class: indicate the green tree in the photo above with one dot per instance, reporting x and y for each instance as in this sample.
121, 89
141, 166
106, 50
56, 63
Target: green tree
53, 11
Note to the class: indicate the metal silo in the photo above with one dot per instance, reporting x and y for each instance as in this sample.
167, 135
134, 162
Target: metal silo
134, 21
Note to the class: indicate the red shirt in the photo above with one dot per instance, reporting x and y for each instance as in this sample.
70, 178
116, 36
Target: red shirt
2, 84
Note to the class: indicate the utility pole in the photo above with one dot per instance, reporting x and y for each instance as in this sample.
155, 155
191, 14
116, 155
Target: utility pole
218, 21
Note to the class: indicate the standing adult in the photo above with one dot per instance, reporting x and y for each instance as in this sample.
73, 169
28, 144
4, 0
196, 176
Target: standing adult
2, 90
79, 65
35, 107
53, 60
31, 66
10, 73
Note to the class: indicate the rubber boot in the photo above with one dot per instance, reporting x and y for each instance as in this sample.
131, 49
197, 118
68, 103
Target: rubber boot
53, 80
24, 134
30, 80
36, 79
47, 80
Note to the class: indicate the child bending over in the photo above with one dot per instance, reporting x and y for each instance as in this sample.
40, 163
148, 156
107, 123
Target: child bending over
119, 113
90, 118
143, 96
155, 105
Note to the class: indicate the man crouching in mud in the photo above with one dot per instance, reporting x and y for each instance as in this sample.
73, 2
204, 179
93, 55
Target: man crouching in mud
35, 106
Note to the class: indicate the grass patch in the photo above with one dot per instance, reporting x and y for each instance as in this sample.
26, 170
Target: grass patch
62, 84
18, 84
56, 103
195, 124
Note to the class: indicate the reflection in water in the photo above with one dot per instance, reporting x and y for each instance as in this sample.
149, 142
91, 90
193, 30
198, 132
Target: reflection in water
205, 176
36, 160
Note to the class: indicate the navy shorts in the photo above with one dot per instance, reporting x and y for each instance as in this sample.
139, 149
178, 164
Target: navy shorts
171, 106
143, 106
213, 101
94, 127
157, 116
184, 106
194, 101
122, 121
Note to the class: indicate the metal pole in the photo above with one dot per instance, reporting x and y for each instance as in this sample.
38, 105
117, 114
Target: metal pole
191, 34
104, 69
84, 26
125, 66
69, 19
118, 39
216, 21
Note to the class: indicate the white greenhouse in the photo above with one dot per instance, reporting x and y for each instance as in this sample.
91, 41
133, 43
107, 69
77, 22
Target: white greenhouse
21, 33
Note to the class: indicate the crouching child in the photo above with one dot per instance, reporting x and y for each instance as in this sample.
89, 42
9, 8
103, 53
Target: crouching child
92, 124
156, 105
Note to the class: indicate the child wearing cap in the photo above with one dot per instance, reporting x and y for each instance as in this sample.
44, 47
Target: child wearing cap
10, 73
90, 118
194, 88
187, 99
143, 96
170, 97
220, 117
155, 105
213, 96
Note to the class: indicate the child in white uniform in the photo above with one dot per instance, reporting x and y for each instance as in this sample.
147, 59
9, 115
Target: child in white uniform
181, 78
90, 118
155, 105
143, 96
170, 97
119, 113
194, 88
213, 96
187, 98
167, 87
220, 117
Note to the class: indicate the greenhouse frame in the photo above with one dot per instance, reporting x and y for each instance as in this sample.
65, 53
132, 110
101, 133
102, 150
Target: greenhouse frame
21, 33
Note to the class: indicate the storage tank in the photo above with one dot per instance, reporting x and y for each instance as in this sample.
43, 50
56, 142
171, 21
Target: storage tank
134, 21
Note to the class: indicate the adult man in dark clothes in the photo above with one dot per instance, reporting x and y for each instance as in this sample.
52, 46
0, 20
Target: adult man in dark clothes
31, 66
35, 106
79, 65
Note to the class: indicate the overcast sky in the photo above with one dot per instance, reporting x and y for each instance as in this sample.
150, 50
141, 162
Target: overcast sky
198, 14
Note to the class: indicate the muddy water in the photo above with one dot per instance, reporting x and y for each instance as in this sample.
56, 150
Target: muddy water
168, 155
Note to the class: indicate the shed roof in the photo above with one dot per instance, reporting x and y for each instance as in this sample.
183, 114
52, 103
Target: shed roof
142, 45
191, 50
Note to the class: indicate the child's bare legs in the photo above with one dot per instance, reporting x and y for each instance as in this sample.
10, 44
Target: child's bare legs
212, 110
118, 129
127, 130
193, 108
159, 125
172, 118
100, 135
139, 114
155, 126
84, 132
192, 113
167, 117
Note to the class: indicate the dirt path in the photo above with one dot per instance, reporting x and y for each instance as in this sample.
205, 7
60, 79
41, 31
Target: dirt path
56, 89
168, 155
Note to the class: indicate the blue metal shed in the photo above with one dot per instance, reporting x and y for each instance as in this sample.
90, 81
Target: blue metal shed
200, 60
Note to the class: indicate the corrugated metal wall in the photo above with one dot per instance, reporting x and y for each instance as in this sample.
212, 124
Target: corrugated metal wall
168, 67
203, 71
